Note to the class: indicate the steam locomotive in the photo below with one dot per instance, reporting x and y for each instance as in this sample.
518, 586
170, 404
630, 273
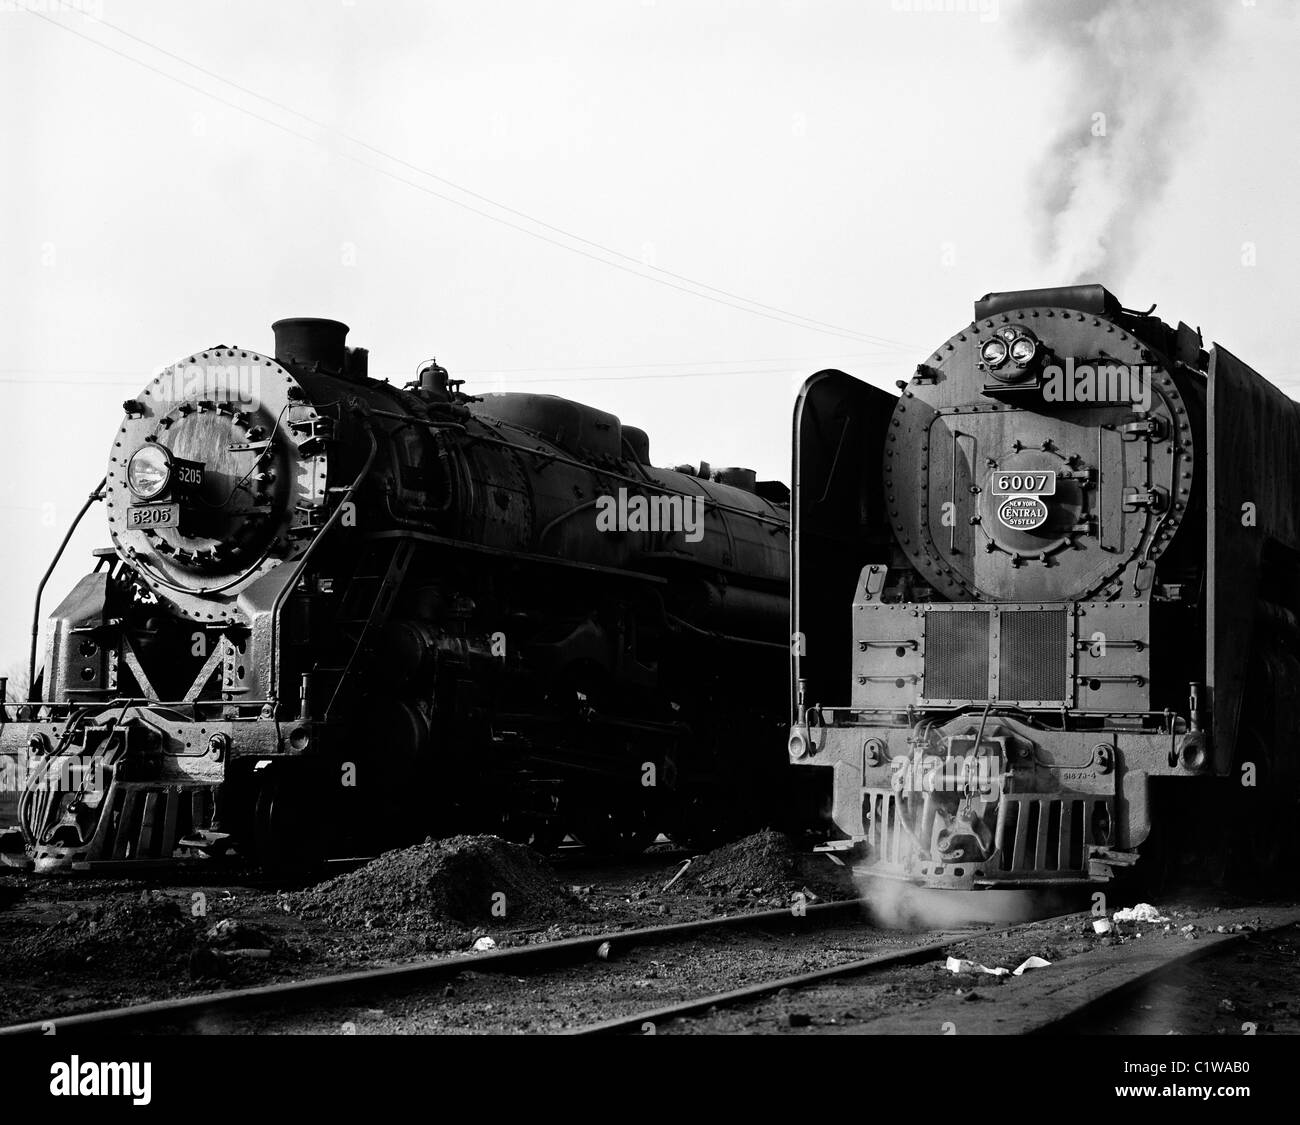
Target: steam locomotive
1046, 603
338, 614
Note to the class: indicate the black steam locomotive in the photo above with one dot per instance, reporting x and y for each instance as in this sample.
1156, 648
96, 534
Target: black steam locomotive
338, 614
1046, 602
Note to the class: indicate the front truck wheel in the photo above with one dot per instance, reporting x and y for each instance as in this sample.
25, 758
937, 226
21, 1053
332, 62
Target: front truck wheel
290, 816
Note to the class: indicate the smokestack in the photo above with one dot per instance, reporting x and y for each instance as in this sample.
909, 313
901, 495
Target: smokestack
308, 341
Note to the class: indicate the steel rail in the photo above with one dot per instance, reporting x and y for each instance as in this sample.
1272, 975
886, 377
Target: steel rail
1064, 999
638, 1021
193, 1012
1046, 1016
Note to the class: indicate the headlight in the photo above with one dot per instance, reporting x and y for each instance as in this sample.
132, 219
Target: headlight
1023, 349
149, 471
994, 352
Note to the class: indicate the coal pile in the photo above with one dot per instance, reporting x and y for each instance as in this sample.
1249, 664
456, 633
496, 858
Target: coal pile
148, 933
766, 865
443, 888
758, 865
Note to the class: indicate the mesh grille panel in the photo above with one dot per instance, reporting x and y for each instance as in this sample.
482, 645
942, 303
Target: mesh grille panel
1032, 654
956, 655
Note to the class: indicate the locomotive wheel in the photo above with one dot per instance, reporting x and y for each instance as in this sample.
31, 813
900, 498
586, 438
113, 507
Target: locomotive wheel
287, 826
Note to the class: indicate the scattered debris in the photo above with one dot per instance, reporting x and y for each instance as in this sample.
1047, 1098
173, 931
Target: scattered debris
960, 965
204, 961
678, 875
235, 935
1142, 912
483, 944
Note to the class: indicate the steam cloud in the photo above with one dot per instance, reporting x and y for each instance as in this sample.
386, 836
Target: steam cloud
895, 905
1139, 63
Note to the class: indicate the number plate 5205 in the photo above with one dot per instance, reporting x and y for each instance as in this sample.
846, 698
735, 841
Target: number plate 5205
153, 515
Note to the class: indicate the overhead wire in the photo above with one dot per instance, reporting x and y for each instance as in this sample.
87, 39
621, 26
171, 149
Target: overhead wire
538, 375
659, 276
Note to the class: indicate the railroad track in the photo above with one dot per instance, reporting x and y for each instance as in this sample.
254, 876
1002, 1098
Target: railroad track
1041, 1003
1054, 1000
205, 1012
650, 1019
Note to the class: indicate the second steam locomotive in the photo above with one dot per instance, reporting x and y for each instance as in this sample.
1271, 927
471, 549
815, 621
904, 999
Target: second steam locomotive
1046, 602
338, 614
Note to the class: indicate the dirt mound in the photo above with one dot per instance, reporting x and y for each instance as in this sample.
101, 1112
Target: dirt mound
768, 866
443, 885
147, 931
758, 865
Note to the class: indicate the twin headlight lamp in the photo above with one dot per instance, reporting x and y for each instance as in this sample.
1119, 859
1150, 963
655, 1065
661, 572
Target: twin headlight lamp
1009, 352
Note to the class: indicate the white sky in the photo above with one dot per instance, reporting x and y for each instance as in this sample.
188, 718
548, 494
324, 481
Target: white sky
846, 161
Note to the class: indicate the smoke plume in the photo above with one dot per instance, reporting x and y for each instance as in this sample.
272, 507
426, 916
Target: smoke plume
1130, 71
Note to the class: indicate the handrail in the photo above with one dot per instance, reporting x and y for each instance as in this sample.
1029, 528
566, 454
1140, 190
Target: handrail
97, 494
